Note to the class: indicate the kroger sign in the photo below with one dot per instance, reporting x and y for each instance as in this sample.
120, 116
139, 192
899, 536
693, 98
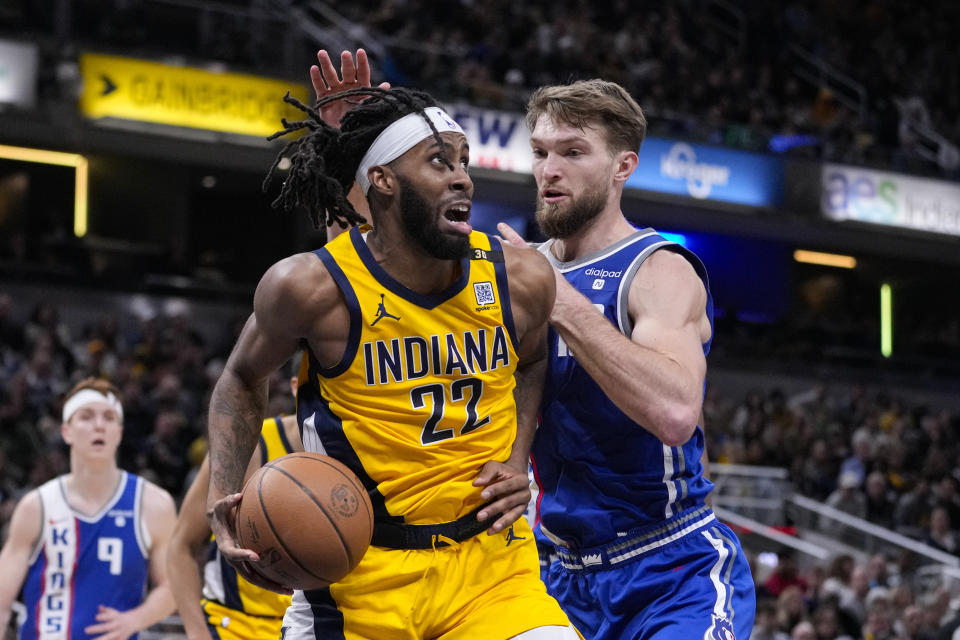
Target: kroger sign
878, 197
500, 140
708, 173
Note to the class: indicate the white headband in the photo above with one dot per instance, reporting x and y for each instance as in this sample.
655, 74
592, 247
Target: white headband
89, 396
400, 137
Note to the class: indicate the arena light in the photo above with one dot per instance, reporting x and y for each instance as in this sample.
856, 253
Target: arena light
61, 159
825, 259
886, 320
679, 238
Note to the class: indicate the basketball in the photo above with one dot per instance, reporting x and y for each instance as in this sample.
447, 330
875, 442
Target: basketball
308, 517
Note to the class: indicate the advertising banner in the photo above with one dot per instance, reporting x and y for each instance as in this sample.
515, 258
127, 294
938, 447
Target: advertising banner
186, 97
709, 173
891, 199
500, 140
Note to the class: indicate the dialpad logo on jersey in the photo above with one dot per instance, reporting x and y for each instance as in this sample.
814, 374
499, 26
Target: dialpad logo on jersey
602, 273
721, 629
598, 283
484, 293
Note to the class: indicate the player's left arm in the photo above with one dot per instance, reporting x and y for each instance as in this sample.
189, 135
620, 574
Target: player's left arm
159, 516
531, 283
656, 375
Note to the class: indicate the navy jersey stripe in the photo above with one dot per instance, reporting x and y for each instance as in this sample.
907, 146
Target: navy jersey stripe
353, 306
500, 268
427, 301
327, 618
231, 590
287, 447
263, 451
329, 428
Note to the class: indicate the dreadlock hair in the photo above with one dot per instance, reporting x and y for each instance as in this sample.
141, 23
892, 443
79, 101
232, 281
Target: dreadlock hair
324, 162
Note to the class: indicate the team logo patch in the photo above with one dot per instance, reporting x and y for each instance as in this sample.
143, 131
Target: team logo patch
721, 629
484, 293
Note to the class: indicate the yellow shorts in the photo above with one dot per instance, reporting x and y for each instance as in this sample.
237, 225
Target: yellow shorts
230, 624
486, 587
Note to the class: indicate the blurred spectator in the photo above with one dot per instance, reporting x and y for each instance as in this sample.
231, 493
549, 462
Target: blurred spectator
784, 575
856, 465
767, 624
879, 501
912, 510
939, 534
847, 498
803, 631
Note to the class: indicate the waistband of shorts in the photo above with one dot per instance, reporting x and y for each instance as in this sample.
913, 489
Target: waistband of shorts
637, 542
397, 535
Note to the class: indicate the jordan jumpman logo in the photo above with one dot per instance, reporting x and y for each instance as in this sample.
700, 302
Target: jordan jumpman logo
511, 536
382, 313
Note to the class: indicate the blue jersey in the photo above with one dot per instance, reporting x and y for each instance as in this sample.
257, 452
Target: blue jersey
82, 562
600, 474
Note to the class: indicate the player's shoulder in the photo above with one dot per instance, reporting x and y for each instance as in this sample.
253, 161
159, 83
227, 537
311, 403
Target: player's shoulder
297, 282
527, 263
156, 499
666, 264
26, 522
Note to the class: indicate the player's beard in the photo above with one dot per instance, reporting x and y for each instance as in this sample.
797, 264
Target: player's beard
565, 219
418, 219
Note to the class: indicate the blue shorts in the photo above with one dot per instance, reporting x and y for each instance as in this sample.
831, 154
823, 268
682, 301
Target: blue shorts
686, 581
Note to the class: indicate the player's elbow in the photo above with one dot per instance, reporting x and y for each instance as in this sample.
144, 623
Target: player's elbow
677, 424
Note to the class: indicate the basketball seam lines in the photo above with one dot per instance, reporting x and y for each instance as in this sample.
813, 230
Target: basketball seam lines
309, 493
358, 488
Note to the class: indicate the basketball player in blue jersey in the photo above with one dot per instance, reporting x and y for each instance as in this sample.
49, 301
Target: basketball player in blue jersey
618, 453
84, 546
424, 349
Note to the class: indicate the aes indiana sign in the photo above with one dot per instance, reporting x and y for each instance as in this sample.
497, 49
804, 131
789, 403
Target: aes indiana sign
891, 199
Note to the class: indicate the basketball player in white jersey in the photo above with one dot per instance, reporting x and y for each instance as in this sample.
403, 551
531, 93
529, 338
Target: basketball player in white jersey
84, 546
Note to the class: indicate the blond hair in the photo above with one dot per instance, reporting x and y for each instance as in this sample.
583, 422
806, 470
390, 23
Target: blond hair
97, 384
592, 103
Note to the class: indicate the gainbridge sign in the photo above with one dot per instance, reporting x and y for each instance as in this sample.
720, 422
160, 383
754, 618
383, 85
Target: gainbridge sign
144, 91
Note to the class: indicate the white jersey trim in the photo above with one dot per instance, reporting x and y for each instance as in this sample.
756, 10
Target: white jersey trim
564, 267
139, 526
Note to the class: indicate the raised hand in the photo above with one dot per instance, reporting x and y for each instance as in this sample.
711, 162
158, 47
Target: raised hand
327, 82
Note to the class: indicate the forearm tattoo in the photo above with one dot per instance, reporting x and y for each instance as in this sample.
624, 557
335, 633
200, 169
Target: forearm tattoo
235, 420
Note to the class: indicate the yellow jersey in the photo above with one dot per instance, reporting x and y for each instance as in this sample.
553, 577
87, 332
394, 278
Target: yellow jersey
223, 588
423, 395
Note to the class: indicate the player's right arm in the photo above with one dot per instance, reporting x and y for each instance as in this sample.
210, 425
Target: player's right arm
296, 299
26, 525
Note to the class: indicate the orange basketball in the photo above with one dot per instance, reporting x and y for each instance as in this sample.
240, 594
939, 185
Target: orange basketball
308, 517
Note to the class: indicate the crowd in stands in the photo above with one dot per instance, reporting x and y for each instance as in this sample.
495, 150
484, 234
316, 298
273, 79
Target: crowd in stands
725, 73
720, 72
864, 452
875, 599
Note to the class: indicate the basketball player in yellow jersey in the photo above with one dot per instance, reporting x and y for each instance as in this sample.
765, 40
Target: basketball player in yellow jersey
425, 346
227, 607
